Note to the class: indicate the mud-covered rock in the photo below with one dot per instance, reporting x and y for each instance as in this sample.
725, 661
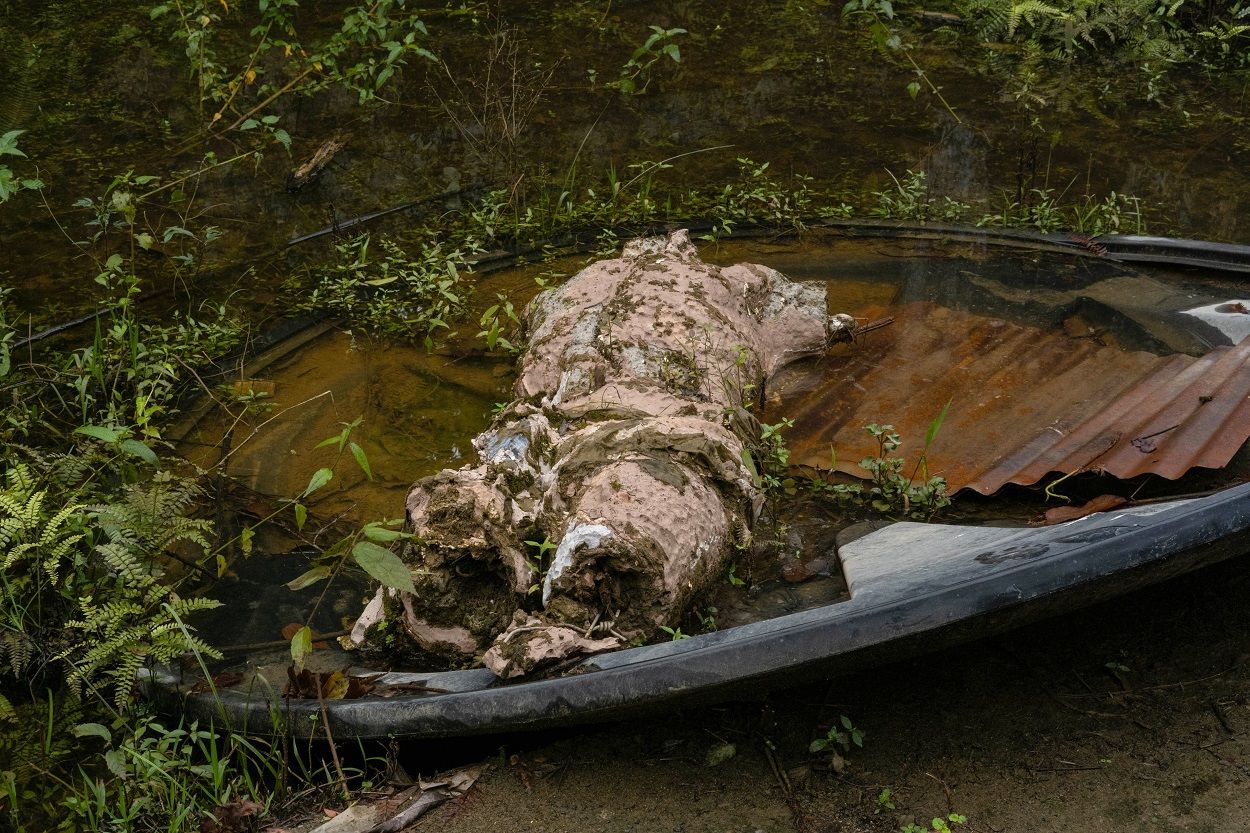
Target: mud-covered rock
623, 460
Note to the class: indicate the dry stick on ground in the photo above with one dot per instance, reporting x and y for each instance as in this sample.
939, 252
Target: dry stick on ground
334, 751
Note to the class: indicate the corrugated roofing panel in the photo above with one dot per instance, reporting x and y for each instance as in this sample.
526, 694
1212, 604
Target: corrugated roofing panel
1025, 402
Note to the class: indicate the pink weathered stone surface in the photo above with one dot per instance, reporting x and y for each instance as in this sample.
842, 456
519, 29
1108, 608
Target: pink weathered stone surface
624, 448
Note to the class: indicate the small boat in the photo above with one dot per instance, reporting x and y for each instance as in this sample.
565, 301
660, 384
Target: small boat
912, 588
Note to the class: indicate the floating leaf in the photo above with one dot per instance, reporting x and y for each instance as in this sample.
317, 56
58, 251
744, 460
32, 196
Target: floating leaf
383, 565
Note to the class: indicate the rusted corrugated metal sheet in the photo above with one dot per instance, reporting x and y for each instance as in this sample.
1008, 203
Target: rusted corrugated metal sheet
1025, 402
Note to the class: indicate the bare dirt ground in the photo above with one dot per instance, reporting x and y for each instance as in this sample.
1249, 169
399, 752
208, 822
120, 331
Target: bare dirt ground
1134, 715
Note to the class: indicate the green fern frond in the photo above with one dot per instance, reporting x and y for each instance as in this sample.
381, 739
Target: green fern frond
1029, 11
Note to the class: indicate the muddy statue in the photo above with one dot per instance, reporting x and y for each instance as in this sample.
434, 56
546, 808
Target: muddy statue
624, 452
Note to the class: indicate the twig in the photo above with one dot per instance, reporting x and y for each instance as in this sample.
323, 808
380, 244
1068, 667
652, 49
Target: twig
950, 805
334, 752
782, 779
277, 643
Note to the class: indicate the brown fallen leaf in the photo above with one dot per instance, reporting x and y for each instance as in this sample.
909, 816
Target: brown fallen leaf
335, 685
289, 630
1062, 514
232, 818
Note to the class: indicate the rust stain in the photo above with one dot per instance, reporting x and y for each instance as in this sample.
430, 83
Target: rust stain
1025, 402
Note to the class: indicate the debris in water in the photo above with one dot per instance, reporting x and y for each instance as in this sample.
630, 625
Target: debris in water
612, 487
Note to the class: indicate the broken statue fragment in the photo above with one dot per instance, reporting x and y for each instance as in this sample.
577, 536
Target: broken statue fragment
622, 461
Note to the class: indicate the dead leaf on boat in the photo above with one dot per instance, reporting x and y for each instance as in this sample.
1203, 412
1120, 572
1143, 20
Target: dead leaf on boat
1062, 514
334, 685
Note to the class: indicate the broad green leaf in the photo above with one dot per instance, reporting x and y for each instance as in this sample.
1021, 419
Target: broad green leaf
362, 460
301, 515
116, 763
383, 565
83, 730
8, 184
140, 450
245, 539
320, 478
98, 432
338, 439
309, 578
301, 646
381, 534
222, 566
8, 143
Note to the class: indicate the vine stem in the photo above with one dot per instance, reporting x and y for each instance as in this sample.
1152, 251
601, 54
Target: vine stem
925, 77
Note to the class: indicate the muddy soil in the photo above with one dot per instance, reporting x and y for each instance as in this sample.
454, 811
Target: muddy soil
1134, 715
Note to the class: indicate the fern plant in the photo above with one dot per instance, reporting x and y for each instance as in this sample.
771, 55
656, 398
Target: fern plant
83, 584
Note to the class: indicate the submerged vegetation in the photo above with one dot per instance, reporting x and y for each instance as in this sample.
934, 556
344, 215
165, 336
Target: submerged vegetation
108, 538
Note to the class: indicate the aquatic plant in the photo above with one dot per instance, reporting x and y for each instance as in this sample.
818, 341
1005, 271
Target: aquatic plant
635, 74
382, 288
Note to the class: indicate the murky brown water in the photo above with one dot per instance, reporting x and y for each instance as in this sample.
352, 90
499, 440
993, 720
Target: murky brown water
419, 411
99, 91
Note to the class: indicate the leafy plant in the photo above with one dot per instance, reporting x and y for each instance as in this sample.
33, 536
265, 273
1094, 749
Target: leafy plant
937, 825
635, 74
385, 290
759, 198
891, 491
844, 734
493, 320
373, 42
11, 183
537, 563
675, 634
908, 200
917, 495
